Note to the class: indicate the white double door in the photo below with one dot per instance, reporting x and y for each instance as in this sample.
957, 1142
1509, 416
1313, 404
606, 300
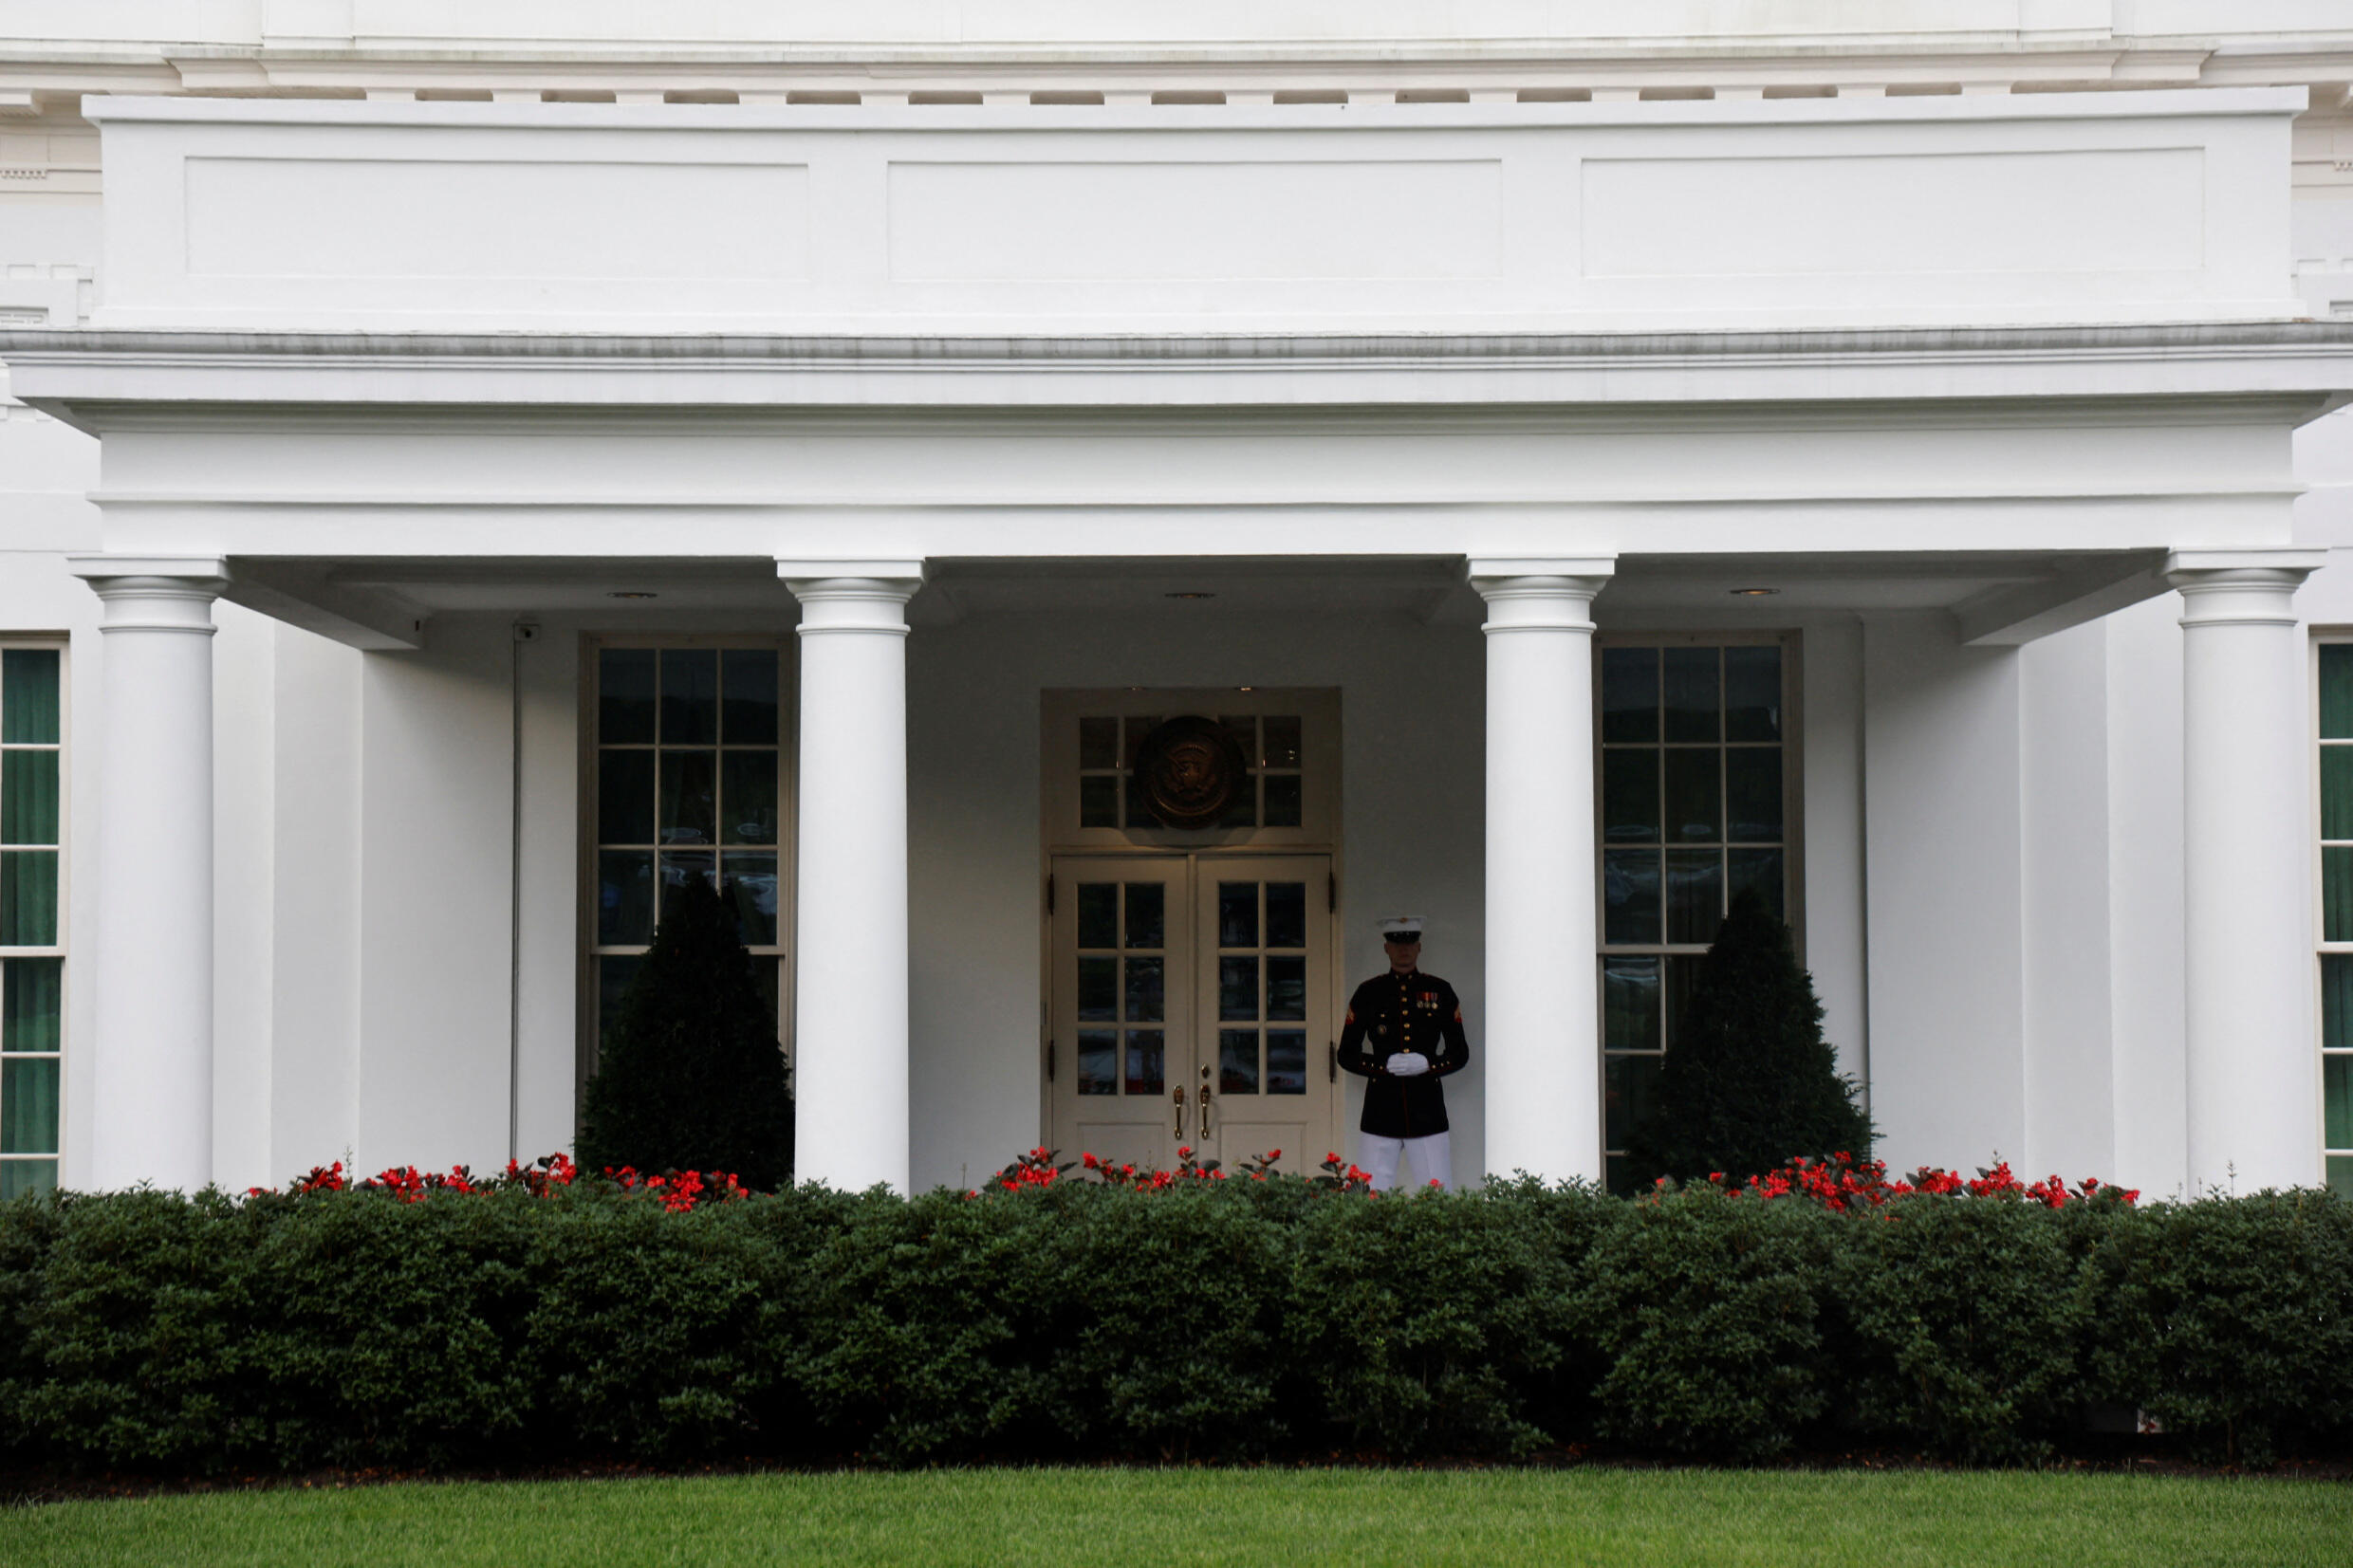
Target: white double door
1193, 1006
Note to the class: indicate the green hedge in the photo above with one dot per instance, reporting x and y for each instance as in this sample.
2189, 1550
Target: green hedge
1210, 1321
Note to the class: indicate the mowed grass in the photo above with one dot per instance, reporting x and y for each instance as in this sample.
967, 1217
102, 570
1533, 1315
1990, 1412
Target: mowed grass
1627, 1519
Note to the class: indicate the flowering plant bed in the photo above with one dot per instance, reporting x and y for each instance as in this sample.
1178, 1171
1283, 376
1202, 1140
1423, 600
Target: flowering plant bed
1075, 1311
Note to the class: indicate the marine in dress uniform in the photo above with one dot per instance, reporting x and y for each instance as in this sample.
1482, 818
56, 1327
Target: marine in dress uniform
1403, 1034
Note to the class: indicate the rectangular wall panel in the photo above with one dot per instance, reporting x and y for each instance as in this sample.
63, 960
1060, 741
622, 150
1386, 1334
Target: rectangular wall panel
504, 219
2129, 210
1301, 220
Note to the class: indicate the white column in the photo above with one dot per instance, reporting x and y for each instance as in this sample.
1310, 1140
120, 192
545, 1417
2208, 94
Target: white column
1544, 1068
2248, 967
152, 1057
849, 1030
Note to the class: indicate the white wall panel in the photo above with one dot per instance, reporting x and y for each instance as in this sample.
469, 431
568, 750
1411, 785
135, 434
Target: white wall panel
1395, 217
434, 822
1944, 834
2071, 1049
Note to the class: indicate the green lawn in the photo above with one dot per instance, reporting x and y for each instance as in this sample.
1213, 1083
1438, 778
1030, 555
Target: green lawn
1265, 1519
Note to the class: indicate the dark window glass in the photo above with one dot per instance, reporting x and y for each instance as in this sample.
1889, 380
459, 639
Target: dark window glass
751, 884
690, 697
1630, 895
625, 697
1694, 893
1282, 740
1099, 990
1237, 987
1238, 915
1286, 1061
1629, 694
1752, 794
1099, 743
1630, 797
1286, 988
1287, 915
1753, 693
625, 797
1146, 905
1098, 914
690, 797
1237, 1061
1758, 870
1683, 972
747, 696
1630, 1004
748, 797
1694, 797
625, 896
1693, 699
1144, 990
1099, 1061
1144, 1067
1099, 800
1285, 800
1629, 1083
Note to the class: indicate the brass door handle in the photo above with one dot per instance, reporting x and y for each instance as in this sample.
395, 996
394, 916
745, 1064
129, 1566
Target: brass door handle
1201, 1117
1180, 1110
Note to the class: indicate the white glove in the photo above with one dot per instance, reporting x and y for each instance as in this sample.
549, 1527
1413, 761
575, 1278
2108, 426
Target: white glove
1408, 1064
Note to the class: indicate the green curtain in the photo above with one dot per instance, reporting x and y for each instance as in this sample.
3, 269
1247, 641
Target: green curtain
27, 798
28, 898
33, 1003
29, 697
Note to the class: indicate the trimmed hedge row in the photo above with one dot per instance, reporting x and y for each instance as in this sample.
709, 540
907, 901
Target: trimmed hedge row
1212, 1321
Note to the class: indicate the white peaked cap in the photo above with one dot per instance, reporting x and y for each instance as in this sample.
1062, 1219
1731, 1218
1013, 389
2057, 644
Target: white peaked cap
1402, 925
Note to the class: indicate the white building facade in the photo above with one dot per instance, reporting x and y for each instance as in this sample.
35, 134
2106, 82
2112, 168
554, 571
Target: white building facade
467, 470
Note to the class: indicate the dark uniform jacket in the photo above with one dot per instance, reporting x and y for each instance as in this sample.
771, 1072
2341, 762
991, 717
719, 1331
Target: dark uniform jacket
1403, 1012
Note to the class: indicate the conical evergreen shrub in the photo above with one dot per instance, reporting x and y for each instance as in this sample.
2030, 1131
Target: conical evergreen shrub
690, 1076
1749, 1082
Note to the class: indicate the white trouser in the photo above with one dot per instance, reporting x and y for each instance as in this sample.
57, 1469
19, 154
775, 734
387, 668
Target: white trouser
1433, 1158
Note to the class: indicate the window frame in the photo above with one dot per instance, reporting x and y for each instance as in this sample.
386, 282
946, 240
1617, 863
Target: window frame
589, 1002
2322, 948
61, 645
1790, 640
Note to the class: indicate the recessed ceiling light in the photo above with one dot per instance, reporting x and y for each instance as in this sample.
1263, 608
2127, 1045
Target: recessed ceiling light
632, 593
1753, 593
1189, 593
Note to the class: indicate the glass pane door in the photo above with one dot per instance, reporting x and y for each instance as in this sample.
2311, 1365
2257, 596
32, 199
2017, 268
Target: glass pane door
1120, 1056
1265, 998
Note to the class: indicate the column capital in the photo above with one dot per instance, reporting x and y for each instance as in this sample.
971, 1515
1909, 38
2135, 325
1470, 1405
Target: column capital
1578, 575
2241, 587
184, 573
1540, 593
154, 593
863, 594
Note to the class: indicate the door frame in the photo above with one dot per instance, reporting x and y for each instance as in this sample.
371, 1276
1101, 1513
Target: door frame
1060, 708
1195, 873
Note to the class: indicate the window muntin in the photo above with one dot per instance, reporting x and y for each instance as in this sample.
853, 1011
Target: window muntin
32, 960
2335, 766
687, 779
1694, 802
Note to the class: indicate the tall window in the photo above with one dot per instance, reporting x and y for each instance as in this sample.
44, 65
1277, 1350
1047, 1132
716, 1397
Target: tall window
687, 782
1695, 790
2336, 950
32, 956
